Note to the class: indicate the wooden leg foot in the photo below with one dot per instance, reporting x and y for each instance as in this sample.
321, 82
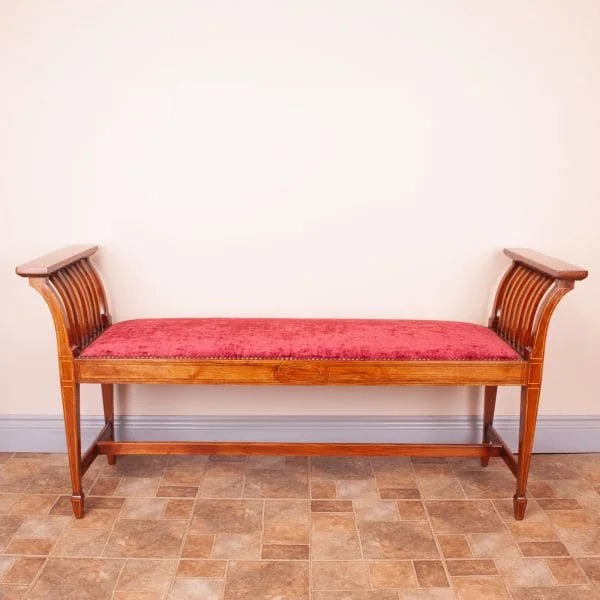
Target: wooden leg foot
78, 509
111, 459
520, 504
485, 461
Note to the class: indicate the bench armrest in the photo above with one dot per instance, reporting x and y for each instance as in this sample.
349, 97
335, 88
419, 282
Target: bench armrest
546, 264
50, 263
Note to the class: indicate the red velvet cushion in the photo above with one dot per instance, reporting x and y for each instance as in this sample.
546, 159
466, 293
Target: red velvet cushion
344, 339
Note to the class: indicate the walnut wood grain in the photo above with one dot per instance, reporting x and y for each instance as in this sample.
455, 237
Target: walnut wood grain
548, 265
50, 263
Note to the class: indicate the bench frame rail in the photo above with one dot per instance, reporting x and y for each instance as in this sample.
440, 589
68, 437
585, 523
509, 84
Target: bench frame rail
526, 297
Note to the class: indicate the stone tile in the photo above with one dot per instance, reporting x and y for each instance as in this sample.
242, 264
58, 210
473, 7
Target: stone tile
458, 568
136, 538
411, 510
30, 547
332, 523
5, 456
183, 477
178, 509
137, 466
147, 575
407, 539
9, 525
137, 596
469, 516
327, 545
267, 580
12, 592
7, 501
487, 484
45, 528
493, 545
23, 570
198, 546
577, 592
65, 578
287, 511
454, 546
430, 573
571, 519
193, 589
525, 572
541, 489
50, 480
137, 486
399, 493
478, 588
276, 484
591, 566
543, 549
93, 503
566, 571
376, 510
84, 542
14, 479
433, 470
285, 533
143, 508
221, 487
237, 546
356, 489
63, 507
323, 489
442, 488
197, 462
176, 491
227, 516
559, 504
393, 574
582, 542
340, 575
356, 595
427, 594
331, 506
532, 531
334, 467
105, 486
214, 569
33, 504
285, 552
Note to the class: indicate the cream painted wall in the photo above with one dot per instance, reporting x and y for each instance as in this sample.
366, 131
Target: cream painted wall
363, 158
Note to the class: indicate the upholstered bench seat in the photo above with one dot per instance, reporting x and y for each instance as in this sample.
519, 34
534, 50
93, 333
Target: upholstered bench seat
304, 339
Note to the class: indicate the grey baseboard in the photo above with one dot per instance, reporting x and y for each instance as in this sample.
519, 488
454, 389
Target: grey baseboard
554, 433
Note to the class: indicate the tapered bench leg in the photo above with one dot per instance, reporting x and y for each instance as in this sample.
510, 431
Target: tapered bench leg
530, 396
71, 411
108, 402
489, 406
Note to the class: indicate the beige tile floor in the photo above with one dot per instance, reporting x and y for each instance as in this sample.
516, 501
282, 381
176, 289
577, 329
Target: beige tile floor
276, 528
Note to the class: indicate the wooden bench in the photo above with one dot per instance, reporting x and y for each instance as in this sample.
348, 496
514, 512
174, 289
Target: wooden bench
509, 351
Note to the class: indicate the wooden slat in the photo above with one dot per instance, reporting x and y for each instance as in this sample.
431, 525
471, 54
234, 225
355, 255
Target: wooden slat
50, 263
298, 449
548, 265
